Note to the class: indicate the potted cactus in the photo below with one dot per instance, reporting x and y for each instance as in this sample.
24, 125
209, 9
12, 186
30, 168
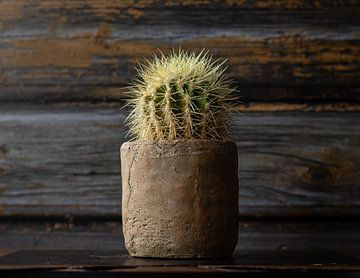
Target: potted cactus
179, 175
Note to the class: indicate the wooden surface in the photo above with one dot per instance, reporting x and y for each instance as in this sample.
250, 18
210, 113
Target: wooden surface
91, 247
57, 160
116, 263
79, 50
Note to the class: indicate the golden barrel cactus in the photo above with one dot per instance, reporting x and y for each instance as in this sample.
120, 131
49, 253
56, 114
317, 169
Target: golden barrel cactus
181, 96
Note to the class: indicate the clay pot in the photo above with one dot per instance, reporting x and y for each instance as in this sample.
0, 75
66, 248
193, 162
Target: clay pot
180, 198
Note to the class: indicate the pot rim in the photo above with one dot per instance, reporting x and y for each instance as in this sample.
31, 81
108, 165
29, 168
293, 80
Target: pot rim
175, 147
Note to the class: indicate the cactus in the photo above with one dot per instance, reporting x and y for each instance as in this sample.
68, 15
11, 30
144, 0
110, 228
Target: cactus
180, 96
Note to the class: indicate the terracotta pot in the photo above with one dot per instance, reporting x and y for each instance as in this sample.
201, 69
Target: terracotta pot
180, 198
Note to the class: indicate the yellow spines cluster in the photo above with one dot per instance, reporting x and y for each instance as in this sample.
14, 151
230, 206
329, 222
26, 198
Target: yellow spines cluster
181, 96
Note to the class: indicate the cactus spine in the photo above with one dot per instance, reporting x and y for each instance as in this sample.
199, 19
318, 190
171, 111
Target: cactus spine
180, 96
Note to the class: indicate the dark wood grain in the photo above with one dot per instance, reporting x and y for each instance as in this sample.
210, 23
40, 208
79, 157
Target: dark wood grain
57, 160
58, 50
172, 12
59, 234
101, 234
115, 261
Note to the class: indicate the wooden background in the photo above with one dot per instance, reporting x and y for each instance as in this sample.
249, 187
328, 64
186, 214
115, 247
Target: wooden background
64, 65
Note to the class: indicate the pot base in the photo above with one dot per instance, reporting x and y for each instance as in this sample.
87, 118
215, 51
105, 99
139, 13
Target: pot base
182, 256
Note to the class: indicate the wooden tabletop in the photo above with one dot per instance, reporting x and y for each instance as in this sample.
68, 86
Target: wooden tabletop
254, 263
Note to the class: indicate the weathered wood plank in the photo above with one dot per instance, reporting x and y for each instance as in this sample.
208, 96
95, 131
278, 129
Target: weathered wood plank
307, 159
105, 263
75, 65
102, 10
267, 59
107, 235
300, 107
114, 93
65, 160
87, 49
144, 11
61, 235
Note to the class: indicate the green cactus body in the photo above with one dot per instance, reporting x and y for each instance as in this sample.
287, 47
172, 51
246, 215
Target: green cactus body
180, 96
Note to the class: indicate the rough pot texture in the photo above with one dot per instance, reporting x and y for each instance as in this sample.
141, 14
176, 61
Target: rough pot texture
180, 198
